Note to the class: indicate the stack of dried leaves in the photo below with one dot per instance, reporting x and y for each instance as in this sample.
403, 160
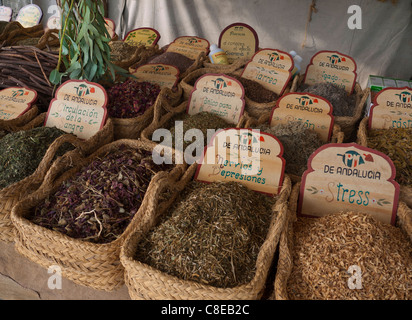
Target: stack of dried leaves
211, 235
131, 98
98, 203
298, 144
343, 104
325, 248
202, 121
397, 145
22, 152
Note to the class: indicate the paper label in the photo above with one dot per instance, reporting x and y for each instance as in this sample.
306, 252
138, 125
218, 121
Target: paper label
162, 74
392, 108
247, 156
218, 94
5, 13
332, 67
110, 27
15, 101
349, 177
191, 47
271, 68
79, 107
239, 40
29, 16
142, 36
314, 111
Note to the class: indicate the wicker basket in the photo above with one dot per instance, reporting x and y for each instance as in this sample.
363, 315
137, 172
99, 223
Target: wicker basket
405, 191
349, 125
89, 264
145, 282
12, 194
285, 262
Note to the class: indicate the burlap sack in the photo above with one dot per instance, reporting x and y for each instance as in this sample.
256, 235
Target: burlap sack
147, 283
13, 125
405, 191
15, 32
285, 261
85, 263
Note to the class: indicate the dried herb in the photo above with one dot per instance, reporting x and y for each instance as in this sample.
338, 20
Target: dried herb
22, 152
98, 203
178, 60
211, 235
325, 248
255, 91
121, 50
396, 143
131, 98
343, 104
202, 121
295, 136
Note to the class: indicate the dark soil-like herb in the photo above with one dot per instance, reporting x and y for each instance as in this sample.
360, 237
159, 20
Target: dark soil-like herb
298, 144
211, 235
21, 152
343, 104
98, 203
178, 60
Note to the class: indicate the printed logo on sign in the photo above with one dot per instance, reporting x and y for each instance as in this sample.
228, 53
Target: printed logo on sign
335, 59
274, 56
83, 90
19, 93
194, 40
404, 96
352, 159
249, 138
306, 101
159, 68
220, 83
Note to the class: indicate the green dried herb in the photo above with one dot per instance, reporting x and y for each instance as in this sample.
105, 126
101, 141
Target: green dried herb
22, 152
298, 144
396, 144
211, 235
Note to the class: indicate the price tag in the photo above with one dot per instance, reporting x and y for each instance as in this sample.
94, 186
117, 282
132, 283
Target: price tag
239, 40
5, 13
314, 111
271, 68
15, 101
142, 36
29, 16
162, 74
349, 177
191, 47
79, 107
218, 94
392, 108
247, 156
332, 67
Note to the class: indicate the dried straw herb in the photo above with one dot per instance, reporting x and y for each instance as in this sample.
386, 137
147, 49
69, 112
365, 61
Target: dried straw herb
98, 203
211, 235
22, 152
343, 104
121, 50
325, 248
396, 143
131, 98
295, 136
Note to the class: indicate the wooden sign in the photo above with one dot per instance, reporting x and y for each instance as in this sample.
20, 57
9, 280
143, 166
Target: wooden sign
332, 67
239, 40
314, 111
218, 94
349, 177
15, 101
142, 36
110, 27
29, 15
271, 68
247, 156
392, 108
162, 74
5, 13
191, 47
79, 107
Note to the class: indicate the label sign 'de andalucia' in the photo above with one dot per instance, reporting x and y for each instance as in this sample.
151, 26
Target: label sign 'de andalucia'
349, 177
15, 101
